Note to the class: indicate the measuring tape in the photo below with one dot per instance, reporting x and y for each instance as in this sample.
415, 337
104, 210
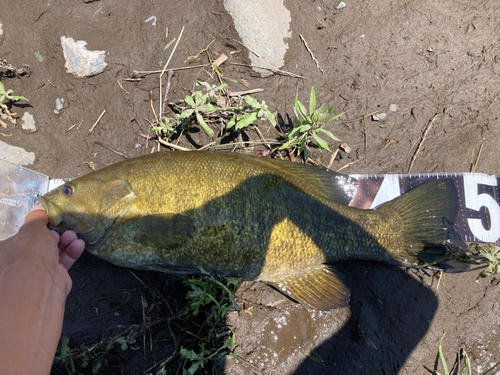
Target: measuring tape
478, 217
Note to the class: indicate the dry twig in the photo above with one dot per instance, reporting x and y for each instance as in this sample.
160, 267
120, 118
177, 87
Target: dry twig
95, 123
473, 165
348, 164
247, 92
277, 71
426, 130
310, 52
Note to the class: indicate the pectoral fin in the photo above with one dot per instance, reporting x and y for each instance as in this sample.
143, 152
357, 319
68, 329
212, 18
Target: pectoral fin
161, 230
115, 199
324, 288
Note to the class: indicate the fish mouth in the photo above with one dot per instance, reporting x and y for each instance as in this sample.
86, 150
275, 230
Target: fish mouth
54, 212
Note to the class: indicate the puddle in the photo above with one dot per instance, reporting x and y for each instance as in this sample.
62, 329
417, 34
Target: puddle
281, 336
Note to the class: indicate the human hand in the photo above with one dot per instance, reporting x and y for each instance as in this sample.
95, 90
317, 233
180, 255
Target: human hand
34, 284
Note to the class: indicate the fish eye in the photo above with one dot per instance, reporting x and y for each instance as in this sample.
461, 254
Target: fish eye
67, 190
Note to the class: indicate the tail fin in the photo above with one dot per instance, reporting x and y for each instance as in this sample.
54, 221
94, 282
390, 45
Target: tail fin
427, 237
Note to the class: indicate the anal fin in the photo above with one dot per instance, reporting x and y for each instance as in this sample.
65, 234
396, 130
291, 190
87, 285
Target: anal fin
323, 288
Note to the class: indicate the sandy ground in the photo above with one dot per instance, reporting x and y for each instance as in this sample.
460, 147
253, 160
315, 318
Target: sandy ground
426, 57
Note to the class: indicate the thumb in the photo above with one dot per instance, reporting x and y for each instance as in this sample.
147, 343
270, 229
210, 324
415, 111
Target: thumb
37, 213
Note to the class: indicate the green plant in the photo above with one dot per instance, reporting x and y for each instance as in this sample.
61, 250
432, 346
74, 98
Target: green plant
309, 126
5, 99
245, 116
200, 104
214, 298
211, 104
164, 127
467, 366
198, 360
492, 258
79, 358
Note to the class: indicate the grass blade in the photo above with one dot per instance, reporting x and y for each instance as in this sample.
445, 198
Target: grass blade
441, 355
312, 102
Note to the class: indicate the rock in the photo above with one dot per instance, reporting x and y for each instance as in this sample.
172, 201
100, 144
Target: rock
393, 107
262, 25
345, 146
28, 122
137, 145
80, 61
16, 155
61, 103
379, 117
341, 5
152, 18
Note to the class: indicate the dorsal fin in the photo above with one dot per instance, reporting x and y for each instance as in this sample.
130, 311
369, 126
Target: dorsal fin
329, 184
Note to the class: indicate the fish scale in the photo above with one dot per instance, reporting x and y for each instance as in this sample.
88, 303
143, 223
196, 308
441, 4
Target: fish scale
255, 218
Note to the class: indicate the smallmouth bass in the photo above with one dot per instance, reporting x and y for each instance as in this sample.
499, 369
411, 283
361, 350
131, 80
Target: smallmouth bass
255, 218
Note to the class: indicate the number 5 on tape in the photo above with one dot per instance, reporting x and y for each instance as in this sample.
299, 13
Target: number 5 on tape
475, 201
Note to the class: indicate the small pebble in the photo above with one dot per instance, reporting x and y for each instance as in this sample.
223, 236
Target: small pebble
79, 60
117, 314
137, 145
152, 18
393, 107
345, 146
60, 105
379, 117
28, 122
341, 5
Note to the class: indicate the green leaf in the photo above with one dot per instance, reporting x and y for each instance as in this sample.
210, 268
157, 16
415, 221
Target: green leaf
96, 368
336, 117
324, 115
65, 349
222, 87
185, 114
293, 142
231, 122
441, 355
168, 45
194, 367
328, 133
467, 366
294, 132
204, 125
243, 123
315, 357
217, 70
206, 107
270, 116
253, 102
15, 98
287, 144
312, 102
302, 110
189, 100
189, 354
320, 141
197, 98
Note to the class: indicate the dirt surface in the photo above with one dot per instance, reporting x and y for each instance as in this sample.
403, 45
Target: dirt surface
426, 57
